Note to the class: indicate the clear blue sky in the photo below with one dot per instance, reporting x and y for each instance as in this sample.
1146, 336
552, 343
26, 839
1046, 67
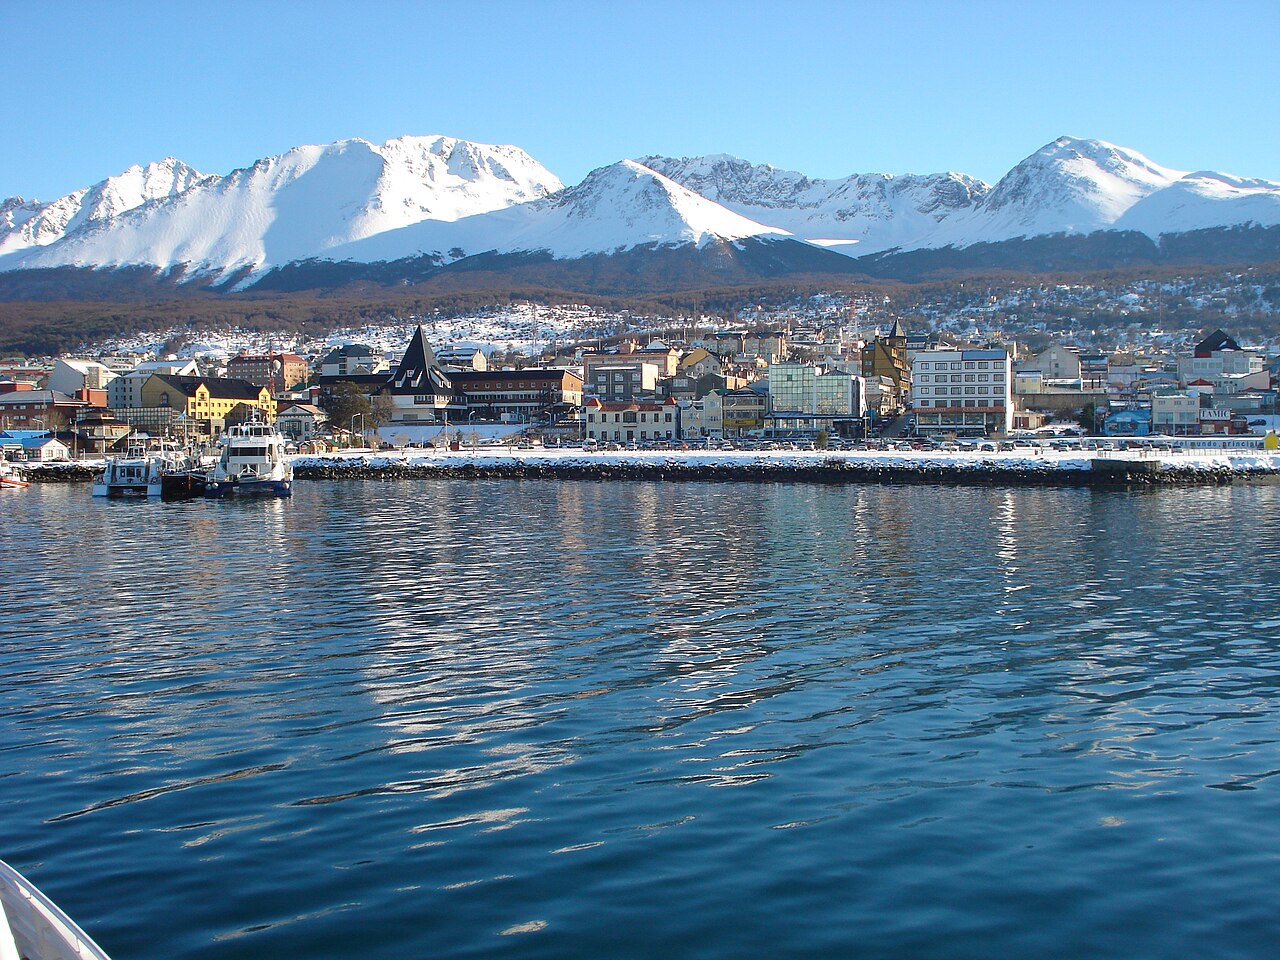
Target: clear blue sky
823, 87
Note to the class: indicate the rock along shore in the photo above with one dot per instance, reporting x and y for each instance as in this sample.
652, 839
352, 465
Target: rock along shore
1044, 469
74, 472
818, 468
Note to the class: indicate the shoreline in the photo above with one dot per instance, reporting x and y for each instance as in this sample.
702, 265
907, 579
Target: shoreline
829, 473
1042, 469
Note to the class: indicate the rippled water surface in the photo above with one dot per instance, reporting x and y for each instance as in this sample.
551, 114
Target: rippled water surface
438, 719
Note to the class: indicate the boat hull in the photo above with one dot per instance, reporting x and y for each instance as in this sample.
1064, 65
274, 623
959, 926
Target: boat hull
31, 925
120, 491
250, 488
184, 485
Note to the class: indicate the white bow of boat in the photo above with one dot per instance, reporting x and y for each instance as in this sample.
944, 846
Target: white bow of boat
33, 928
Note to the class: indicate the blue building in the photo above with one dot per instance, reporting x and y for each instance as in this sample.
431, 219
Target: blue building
1127, 423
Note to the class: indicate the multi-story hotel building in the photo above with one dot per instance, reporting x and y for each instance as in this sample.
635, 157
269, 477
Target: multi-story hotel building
968, 393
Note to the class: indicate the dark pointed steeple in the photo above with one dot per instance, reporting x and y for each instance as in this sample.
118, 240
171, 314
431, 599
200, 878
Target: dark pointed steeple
419, 371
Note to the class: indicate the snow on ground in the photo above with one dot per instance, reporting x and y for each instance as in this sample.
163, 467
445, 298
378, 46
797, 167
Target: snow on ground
901, 459
522, 327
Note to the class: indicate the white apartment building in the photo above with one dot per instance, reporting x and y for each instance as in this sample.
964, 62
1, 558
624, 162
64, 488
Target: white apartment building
1175, 412
72, 376
968, 393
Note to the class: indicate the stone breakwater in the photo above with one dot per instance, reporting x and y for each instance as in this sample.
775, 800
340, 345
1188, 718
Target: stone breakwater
74, 472
819, 468
1045, 469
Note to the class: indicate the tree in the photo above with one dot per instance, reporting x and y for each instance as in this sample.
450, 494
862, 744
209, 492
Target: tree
347, 403
381, 409
1088, 417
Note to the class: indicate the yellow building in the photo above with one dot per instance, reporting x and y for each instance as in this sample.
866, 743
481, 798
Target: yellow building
209, 400
887, 357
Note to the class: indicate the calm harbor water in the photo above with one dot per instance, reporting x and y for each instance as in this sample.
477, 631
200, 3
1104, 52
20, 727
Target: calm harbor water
439, 719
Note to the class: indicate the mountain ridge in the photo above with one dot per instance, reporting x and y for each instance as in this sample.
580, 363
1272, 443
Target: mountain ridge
418, 205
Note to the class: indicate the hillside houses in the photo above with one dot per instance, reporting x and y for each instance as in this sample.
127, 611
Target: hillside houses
792, 373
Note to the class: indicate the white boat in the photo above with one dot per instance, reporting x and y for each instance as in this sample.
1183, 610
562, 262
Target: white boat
11, 476
33, 928
138, 473
252, 462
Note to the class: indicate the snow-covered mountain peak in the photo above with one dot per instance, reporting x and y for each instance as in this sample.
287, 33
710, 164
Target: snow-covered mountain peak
1202, 200
731, 180
1076, 185
615, 208
296, 204
628, 203
25, 224
872, 210
137, 185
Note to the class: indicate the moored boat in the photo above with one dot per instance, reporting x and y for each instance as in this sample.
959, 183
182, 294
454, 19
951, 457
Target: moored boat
185, 477
184, 483
128, 477
32, 927
252, 463
136, 474
11, 476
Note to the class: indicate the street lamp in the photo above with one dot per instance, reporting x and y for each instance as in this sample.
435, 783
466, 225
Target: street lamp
470, 428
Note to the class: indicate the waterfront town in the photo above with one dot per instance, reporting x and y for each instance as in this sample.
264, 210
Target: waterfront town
818, 386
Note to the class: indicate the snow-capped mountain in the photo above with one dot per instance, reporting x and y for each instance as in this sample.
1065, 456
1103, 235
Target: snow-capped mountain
1069, 186
615, 208
334, 213
873, 210
1204, 200
303, 202
30, 223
